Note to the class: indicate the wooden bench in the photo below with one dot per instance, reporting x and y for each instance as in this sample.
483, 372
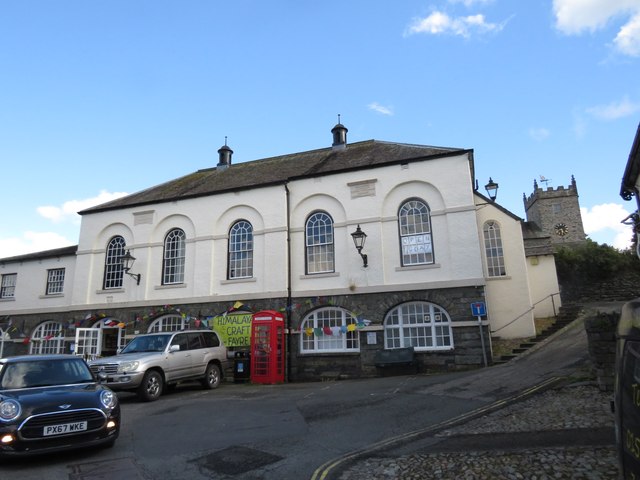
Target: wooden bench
396, 359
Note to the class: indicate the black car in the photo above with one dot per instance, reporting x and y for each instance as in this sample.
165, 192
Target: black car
50, 403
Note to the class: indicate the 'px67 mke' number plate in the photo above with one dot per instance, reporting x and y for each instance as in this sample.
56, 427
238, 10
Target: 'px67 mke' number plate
64, 428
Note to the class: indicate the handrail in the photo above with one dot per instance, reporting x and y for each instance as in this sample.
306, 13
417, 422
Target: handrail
555, 314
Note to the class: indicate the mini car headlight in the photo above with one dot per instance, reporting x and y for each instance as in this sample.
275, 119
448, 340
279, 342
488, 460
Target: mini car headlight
108, 398
128, 367
9, 410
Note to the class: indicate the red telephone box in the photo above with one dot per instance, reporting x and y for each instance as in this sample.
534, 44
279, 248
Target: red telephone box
267, 347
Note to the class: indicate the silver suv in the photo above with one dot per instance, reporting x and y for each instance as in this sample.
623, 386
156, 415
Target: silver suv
151, 362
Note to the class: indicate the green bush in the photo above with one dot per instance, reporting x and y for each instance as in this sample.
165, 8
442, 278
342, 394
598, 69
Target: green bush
591, 263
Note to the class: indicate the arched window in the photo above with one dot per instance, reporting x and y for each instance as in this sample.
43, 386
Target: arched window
240, 264
414, 222
319, 243
493, 249
167, 323
329, 329
112, 265
421, 325
173, 258
47, 338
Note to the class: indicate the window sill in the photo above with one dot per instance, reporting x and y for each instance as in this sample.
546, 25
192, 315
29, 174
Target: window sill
52, 295
166, 287
238, 280
418, 267
11, 299
110, 291
502, 277
309, 276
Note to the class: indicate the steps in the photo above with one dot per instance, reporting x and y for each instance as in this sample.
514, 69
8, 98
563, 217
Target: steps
566, 315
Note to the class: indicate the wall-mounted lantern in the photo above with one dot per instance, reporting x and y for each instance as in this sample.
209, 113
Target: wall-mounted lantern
359, 237
127, 261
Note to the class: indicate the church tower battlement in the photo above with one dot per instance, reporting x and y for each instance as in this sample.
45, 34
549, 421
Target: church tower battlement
556, 211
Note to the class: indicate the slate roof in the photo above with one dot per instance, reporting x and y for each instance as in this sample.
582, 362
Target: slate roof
536, 242
280, 169
53, 253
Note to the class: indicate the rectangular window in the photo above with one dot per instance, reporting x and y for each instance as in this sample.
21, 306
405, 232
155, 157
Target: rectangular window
55, 281
8, 285
416, 249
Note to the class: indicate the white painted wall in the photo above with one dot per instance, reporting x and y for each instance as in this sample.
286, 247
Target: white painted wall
509, 304
543, 281
31, 284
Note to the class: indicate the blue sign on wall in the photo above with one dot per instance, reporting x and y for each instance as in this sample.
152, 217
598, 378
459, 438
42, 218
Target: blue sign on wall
478, 309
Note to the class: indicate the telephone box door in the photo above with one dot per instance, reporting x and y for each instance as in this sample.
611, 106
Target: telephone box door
267, 347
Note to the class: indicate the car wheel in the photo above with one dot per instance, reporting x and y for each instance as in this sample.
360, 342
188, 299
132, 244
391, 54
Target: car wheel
151, 387
212, 377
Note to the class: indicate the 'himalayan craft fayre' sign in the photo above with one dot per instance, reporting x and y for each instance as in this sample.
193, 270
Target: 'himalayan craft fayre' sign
234, 329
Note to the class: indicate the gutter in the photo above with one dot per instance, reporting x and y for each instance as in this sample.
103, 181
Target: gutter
288, 309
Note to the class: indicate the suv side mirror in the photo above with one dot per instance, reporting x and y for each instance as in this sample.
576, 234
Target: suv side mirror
174, 348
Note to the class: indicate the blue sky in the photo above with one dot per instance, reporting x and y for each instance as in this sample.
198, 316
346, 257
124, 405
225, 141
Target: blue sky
99, 99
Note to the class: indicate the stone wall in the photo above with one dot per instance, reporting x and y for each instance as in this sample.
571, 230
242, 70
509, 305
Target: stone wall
467, 351
601, 336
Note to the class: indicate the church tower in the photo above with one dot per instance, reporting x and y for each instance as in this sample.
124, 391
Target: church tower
556, 212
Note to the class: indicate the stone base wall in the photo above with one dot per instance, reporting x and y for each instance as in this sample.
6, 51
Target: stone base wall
467, 351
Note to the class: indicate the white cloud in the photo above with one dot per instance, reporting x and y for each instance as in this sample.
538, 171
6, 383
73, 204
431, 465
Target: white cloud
603, 225
615, 110
69, 210
32, 242
472, 3
439, 23
539, 134
574, 17
376, 107
627, 41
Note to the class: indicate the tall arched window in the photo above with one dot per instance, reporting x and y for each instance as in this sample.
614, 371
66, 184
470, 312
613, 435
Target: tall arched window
240, 264
329, 329
414, 222
48, 337
421, 325
319, 243
174, 257
112, 265
493, 249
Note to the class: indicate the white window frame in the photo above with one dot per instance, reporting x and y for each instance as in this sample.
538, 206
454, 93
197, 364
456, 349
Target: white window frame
319, 244
8, 285
47, 338
414, 229
240, 250
422, 325
493, 249
55, 281
113, 270
174, 254
168, 323
337, 320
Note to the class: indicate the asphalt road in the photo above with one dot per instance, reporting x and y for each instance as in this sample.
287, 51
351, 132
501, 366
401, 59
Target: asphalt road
297, 431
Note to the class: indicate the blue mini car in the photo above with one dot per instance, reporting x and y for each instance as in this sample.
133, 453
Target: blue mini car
50, 403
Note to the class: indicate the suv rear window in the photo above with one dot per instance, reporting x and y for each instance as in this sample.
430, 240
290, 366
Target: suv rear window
211, 339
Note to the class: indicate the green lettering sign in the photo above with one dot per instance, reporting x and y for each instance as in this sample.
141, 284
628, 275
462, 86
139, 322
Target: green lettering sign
234, 329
